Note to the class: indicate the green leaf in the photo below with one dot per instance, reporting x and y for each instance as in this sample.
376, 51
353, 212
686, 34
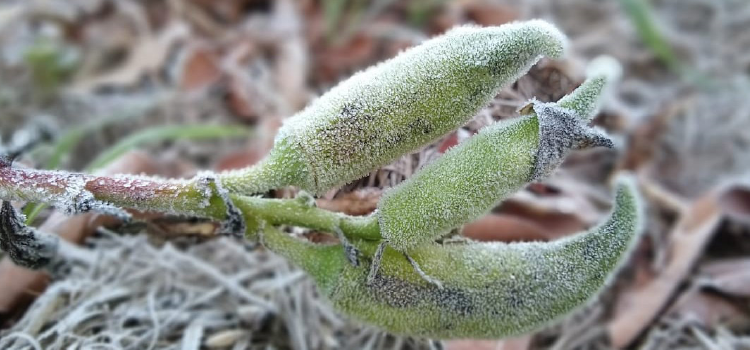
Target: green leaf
162, 133
641, 14
398, 106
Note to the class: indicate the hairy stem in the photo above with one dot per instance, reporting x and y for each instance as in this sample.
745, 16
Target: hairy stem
258, 178
77, 192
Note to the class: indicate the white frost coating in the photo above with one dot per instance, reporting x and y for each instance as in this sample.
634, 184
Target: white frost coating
490, 290
234, 222
560, 133
401, 104
471, 178
64, 190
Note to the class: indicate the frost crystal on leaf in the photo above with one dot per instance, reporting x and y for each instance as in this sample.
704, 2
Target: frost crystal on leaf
489, 290
408, 101
84, 202
471, 178
560, 132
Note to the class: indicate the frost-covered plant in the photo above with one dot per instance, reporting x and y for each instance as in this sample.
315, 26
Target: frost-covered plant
489, 290
417, 287
397, 106
472, 178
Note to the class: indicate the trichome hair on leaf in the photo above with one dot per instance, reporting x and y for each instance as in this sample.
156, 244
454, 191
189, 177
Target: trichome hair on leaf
561, 131
471, 178
490, 290
399, 105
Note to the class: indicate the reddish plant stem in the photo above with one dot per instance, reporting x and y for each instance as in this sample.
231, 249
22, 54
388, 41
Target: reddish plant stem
194, 197
66, 190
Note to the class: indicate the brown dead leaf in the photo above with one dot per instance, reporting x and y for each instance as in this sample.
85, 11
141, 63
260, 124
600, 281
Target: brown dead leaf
686, 243
447, 17
292, 62
360, 202
552, 214
487, 13
561, 206
240, 101
516, 343
644, 138
230, 11
334, 62
505, 228
710, 309
719, 295
256, 150
734, 201
21, 285
145, 59
448, 142
200, 68
728, 276
238, 160
658, 195
241, 98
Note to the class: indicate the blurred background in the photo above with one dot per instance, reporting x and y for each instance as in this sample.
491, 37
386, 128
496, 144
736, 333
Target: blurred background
169, 87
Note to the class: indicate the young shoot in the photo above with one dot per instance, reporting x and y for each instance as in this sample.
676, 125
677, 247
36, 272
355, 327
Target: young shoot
489, 290
473, 177
393, 274
397, 106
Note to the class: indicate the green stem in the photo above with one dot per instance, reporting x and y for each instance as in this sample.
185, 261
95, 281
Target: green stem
293, 212
323, 262
268, 174
185, 197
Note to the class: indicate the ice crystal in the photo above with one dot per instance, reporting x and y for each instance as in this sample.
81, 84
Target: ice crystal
473, 177
560, 132
406, 102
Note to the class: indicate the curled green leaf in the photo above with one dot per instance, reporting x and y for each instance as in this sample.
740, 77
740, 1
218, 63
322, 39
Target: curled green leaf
398, 106
490, 290
474, 176
471, 178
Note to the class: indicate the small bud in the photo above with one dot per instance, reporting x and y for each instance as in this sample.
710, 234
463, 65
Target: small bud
489, 290
402, 104
305, 199
601, 73
471, 178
